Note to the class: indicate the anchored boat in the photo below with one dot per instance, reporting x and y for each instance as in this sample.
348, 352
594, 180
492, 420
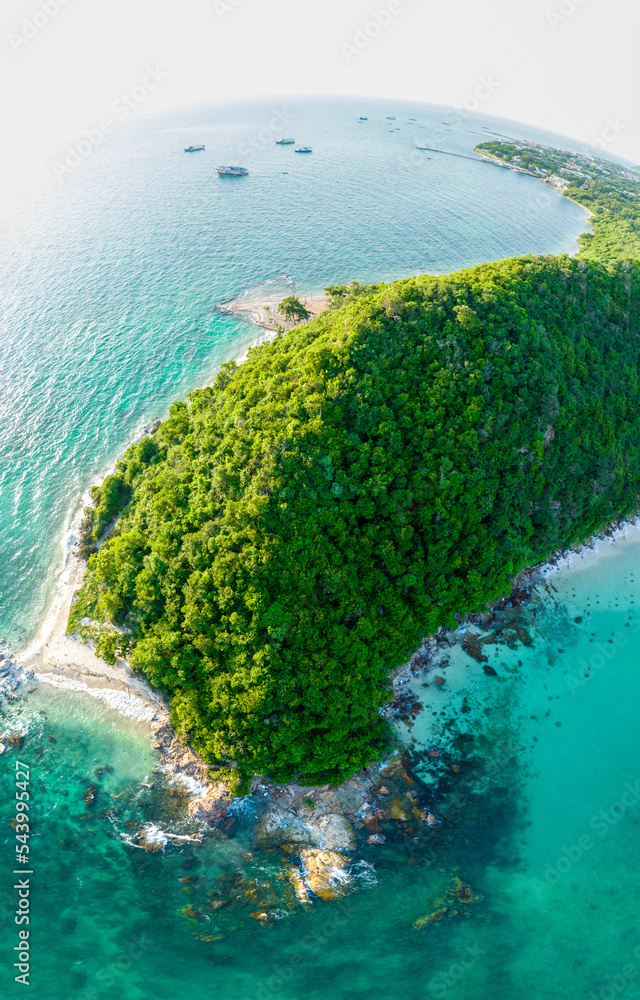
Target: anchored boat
193, 149
304, 149
232, 171
284, 142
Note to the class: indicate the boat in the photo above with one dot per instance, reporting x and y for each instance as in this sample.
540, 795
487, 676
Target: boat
363, 119
412, 119
285, 142
303, 149
391, 118
193, 149
232, 171
422, 147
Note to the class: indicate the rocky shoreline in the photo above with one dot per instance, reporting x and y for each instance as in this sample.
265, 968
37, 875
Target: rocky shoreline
315, 829
263, 312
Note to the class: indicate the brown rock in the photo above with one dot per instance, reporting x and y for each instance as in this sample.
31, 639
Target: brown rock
298, 883
323, 870
209, 810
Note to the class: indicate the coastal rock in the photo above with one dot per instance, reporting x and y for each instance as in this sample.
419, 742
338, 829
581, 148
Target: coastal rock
376, 838
398, 810
282, 826
325, 872
429, 818
334, 832
299, 885
209, 810
329, 831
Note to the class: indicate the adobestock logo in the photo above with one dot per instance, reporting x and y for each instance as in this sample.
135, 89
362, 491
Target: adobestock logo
31, 27
379, 20
601, 824
224, 7
612, 130
564, 11
266, 135
483, 90
122, 107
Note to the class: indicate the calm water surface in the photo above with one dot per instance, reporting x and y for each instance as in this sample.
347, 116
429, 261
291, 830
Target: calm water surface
109, 280
110, 283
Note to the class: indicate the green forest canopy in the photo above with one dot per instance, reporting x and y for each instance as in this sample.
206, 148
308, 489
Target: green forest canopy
290, 535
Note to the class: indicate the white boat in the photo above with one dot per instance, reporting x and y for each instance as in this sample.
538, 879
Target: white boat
285, 142
232, 171
193, 149
303, 149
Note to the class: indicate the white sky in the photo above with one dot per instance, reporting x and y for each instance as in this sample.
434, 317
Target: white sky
565, 65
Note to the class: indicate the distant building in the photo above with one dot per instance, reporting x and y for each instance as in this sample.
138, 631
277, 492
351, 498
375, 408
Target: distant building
558, 182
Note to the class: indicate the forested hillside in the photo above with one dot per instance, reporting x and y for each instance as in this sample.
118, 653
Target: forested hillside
289, 535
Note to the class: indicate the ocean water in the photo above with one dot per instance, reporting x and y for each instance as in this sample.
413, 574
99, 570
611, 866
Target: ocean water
532, 774
110, 282
110, 276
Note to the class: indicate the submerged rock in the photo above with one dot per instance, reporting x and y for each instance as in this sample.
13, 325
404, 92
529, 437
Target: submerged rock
152, 839
430, 918
89, 795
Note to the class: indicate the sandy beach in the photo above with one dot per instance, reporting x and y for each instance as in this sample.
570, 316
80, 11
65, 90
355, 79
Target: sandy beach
264, 311
66, 661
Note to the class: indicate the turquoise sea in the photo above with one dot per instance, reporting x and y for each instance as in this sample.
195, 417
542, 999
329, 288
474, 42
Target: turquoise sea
109, 284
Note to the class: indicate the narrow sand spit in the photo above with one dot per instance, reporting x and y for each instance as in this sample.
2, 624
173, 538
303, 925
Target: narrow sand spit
264, 311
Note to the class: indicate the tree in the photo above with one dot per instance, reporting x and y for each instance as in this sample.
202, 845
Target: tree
292, 309
289, 536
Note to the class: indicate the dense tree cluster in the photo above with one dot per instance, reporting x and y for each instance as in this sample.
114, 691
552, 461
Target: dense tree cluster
289, 535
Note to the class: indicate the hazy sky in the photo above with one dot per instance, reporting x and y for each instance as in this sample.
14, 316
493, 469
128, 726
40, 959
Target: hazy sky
566, 65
